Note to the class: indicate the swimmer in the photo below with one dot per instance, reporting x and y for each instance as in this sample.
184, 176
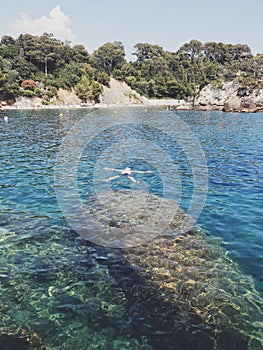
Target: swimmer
126, 172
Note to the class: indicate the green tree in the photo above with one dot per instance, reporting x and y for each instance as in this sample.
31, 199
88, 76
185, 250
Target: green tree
27, 44
3, 82
70, 75
79, 54
7, 90
102, 77
194, 49
88, 90
109, 57
145, 51
44, 51
8, 47
25, 69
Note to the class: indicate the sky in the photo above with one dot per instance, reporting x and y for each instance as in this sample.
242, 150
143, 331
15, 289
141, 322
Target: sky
168, 23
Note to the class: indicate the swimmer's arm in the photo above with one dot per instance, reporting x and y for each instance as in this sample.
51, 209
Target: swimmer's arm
107, 169
142, 172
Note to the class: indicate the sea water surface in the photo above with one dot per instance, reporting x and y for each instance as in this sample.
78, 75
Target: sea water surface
56, 284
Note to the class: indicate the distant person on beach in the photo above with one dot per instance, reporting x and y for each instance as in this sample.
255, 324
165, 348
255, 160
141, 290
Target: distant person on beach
126, 172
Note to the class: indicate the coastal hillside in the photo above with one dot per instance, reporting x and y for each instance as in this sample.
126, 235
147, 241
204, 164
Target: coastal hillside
229, 98
197, 75
115, 93
119, 93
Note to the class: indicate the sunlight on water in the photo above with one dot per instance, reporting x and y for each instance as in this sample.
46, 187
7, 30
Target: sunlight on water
62, 292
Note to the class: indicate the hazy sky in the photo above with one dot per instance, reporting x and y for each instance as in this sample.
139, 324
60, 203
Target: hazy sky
169, 23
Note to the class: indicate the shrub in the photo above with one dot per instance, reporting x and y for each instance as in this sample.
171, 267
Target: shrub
28, 84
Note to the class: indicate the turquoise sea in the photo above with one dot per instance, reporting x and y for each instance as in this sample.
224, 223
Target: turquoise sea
58, 290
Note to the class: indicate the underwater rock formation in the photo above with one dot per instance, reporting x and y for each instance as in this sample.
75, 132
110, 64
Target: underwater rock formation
169, 291
190, 283
55, 294
20, 339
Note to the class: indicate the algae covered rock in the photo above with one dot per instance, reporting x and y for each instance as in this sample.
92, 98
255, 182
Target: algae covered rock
187, 281
173, 289
56, 295
20, 339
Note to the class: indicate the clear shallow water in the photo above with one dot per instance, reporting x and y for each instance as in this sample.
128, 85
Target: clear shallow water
34, 228
233, 144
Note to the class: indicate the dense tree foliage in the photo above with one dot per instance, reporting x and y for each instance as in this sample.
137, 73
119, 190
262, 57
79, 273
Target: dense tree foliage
48, 64
109, 57
40, 65
182, 74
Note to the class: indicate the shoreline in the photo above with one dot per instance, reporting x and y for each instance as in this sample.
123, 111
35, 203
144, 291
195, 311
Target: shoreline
187, 107
168, 104
119, 95
152, 103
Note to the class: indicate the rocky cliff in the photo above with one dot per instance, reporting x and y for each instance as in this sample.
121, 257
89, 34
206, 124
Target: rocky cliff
231, 97
119, 93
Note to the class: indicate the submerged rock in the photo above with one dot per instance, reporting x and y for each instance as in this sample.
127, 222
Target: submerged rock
79, 306
121, 219
174, 290
207, 290
188, 283
20, 339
